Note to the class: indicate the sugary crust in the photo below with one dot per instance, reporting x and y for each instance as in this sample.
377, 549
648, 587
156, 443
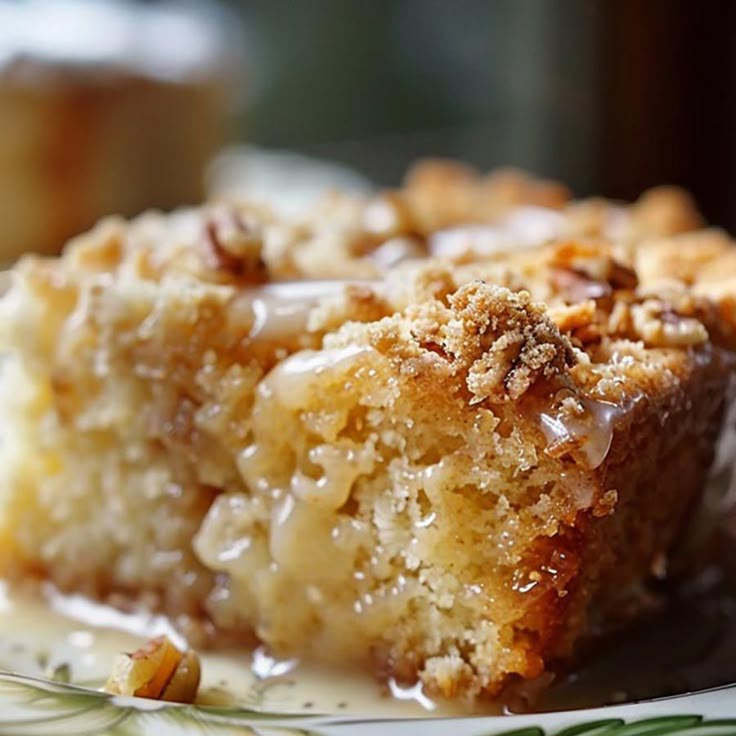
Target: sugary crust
446, 468
499, 340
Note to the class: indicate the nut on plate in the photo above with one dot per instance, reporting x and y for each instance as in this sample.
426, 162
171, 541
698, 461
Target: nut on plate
157, 670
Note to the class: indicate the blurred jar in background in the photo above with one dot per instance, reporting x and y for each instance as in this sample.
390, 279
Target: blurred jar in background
106, 107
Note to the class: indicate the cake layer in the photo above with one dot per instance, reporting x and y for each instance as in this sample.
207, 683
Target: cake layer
449, 468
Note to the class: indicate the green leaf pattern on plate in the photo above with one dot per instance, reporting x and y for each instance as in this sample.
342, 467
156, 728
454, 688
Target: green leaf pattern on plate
35, 707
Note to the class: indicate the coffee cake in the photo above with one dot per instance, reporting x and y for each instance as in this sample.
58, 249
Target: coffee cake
439, 433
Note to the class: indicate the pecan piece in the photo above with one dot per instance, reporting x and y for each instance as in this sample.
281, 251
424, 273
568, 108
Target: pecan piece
157, 670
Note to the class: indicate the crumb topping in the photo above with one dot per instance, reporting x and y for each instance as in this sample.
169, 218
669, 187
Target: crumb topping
503, 340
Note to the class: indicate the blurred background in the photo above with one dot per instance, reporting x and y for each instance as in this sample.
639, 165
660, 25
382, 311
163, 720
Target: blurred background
611, 96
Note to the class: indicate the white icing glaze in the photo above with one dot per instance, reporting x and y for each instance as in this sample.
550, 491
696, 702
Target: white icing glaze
281, 310
292, 379
264, 666
341, 466
318, 361
276, 318
295, 542
31, 627
524, 227
534, 224
592, 430
394, 251
413, 693
87, 636
139, 623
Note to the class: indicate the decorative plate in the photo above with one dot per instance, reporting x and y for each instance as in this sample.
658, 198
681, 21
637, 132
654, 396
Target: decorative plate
30, 706
53, 662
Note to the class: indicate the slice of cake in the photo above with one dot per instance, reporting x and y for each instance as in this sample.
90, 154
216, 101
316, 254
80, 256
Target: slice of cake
446, 468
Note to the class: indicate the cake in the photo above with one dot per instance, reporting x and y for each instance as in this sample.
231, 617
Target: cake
440, 433
107, 107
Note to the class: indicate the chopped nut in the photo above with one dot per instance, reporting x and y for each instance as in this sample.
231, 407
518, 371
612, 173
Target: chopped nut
231, 244
504, 340
157, 670
659, 326
619, 321
574, 316
622, 277
577, 286
182, 687
581, 270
